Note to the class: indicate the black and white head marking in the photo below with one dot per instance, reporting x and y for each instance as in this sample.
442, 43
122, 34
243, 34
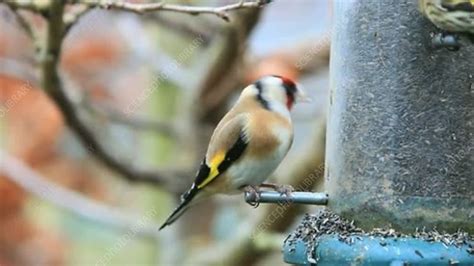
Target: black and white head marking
260, 98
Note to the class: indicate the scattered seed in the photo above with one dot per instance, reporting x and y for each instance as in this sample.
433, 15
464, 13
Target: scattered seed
327, 223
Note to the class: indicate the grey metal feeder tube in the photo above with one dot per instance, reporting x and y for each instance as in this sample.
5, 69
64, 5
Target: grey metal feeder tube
401, 120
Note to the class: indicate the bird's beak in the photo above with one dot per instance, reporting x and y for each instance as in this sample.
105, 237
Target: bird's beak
301, 96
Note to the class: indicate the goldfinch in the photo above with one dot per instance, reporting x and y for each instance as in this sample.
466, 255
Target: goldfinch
248, 143
451, 16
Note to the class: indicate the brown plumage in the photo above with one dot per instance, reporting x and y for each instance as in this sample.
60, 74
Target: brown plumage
248, 143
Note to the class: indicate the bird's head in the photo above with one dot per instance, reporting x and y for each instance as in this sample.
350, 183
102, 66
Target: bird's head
274, 90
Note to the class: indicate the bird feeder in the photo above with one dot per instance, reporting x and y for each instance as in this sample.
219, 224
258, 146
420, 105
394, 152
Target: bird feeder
400, 136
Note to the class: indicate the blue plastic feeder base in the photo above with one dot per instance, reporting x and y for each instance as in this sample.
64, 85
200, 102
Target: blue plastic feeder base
369, 250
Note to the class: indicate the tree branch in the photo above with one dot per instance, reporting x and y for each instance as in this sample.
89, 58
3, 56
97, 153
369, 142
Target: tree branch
34, 6
51, 83
221, 12
22, 22
225, 73
187, 30
73, 17
25, 177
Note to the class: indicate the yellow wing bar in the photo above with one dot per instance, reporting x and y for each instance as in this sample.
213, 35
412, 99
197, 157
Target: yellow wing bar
214, 171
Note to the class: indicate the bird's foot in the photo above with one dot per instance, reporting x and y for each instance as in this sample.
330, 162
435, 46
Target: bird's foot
283, 189
446, 40
254, 192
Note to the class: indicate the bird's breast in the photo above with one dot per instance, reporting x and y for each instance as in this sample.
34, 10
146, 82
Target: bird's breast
265, 152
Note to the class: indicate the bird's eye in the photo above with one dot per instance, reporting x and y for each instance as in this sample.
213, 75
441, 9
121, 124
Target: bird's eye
290, 86
290, 100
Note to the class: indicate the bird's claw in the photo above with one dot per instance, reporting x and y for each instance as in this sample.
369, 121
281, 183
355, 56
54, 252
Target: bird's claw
285, 190
254, 195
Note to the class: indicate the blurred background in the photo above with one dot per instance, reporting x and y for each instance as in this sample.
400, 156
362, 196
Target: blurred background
88, 181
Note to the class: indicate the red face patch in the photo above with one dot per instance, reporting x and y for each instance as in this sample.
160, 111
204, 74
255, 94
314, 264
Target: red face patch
290, 88
288, 82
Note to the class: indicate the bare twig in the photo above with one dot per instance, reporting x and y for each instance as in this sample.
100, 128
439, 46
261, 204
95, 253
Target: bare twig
225, 73
221, 12
73, 17
142, 8
34, 6
187, 30
51, 83
70, 200
22, 22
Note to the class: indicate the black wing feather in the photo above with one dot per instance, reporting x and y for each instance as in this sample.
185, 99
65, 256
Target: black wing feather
232, 155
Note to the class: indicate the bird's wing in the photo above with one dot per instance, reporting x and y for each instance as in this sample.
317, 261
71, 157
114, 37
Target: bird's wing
226, 146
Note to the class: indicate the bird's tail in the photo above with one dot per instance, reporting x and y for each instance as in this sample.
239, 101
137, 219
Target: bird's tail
186, 199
